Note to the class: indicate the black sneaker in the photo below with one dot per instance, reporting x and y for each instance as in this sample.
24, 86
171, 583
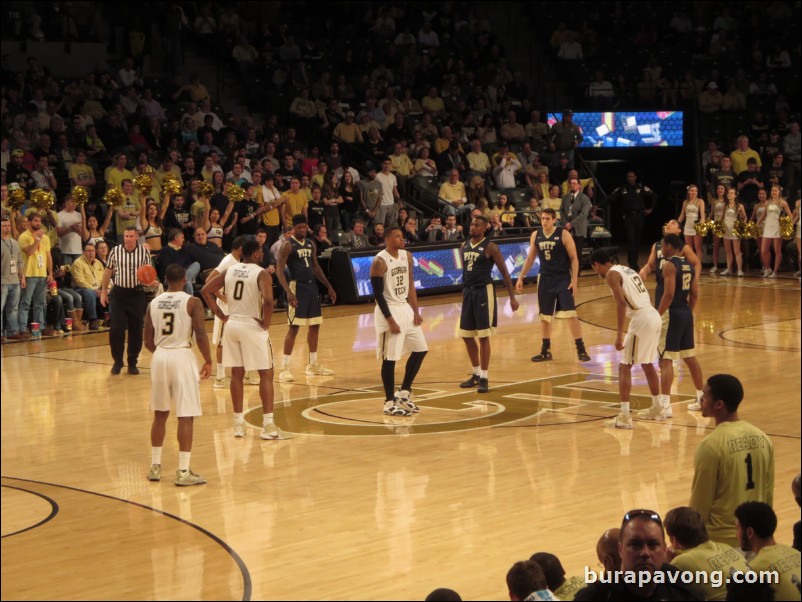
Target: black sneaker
116, 369
582, 355
543, 356
133, 370
470, 383
483, 386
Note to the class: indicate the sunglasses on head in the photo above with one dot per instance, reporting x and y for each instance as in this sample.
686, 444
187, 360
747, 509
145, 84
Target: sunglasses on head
648, 514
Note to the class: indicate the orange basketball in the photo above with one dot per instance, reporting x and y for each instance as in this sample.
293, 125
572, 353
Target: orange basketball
146, 274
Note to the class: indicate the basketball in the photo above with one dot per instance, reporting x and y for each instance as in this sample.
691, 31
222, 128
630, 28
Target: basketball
146, 274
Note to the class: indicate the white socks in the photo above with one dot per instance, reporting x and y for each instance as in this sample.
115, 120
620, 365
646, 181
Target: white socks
665, 400
239, 417
221, 371
483, 374
155, 455
477, 371
267, 419
285, 362
183, 460
625, 407
699, 395
656, 403
312, 358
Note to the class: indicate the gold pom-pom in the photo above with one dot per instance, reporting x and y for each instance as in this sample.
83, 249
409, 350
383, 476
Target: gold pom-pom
739, 229
42, 199
80, 195
143, 183
786, 227
235, 193
752, 230
205, 190
702, 227
16, 199
171, 184
114, 198
717, 228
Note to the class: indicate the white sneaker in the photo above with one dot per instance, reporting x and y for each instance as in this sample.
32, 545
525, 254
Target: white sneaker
252, 378
285, 376
713, 270
667, 411
741, 273
623, 421
392, 408
766, 273
221, 383
404, 399
695, 406
726, 272
772, 275
797, 274
271, 433
239, 429
318, 370
653, 413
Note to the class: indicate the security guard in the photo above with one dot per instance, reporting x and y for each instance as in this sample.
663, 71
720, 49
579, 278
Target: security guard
637, 201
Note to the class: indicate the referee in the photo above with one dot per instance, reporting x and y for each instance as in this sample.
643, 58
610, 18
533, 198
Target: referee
128, 299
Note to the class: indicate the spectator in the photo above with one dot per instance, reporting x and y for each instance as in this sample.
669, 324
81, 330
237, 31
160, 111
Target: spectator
452, 230
711, 100
756, 523
176, 252
69, 231
386, 211
507, 165
742, 154
37, 270
791, 150
566, 136
643, 549
453, 198
13, 279
720, 483
693, 551
564, 589
376, 239
526, 581
478, 161
87, 274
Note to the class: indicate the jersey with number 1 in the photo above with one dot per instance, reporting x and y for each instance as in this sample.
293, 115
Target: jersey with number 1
242, 291
635, 293
172, 323
300, 260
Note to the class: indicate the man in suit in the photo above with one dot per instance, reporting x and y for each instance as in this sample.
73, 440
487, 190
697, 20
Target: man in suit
575, 209
356, 238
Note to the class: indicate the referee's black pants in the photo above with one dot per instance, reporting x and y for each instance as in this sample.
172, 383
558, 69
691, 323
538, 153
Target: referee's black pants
127, 309
633, 225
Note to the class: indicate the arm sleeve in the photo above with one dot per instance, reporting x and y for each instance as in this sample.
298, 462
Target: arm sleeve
377, 282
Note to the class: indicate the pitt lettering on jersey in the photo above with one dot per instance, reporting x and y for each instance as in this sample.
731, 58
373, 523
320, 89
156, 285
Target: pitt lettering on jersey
471, 257
546, 245
304, 253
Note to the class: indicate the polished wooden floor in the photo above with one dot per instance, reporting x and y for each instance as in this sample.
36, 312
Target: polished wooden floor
357, 505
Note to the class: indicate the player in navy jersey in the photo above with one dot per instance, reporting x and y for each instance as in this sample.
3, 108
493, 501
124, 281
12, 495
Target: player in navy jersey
299, 256
479, 308
557, 282
655, 264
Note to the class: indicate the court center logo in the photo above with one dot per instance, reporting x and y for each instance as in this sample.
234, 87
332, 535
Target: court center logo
556, 400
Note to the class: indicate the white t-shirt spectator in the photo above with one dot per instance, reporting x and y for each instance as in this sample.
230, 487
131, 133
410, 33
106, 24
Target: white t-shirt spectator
388, 182
70, 243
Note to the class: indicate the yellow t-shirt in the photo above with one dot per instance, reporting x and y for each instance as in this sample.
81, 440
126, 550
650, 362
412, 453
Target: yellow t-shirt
270, 217
570, 588
708, 557
81, 173
733, 464
786, 561
115, 177
35, 265
295, 205
131, 205
583, 183
402, 166
551, 203
739, 159
452, 192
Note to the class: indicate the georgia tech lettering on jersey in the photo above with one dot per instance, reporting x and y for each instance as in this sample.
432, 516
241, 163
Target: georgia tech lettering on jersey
398, 275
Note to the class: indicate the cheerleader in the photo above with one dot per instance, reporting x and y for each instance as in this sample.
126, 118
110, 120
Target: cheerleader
758, 212
771, 232
717, 214
733, 210
693, 210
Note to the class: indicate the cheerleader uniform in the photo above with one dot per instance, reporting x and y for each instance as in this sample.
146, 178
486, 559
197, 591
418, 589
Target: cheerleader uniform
691, 218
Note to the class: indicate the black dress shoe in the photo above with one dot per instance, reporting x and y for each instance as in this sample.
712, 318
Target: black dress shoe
133, 370
116, 369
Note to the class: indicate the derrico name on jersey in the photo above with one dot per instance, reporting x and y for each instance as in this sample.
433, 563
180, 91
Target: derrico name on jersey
554, 259
477, 267
300, 260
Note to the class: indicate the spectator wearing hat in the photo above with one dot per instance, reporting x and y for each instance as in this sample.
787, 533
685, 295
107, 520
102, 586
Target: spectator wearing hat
348, 131
566, 136
711, 99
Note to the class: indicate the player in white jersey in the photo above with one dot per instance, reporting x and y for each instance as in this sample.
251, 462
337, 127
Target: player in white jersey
640, 344
217, 333
397, 321
171, 319
246, 343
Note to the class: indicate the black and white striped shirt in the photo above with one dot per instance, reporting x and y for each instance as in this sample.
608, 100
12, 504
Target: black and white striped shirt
124, 265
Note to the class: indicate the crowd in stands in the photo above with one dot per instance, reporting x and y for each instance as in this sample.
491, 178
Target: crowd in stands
385, 114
